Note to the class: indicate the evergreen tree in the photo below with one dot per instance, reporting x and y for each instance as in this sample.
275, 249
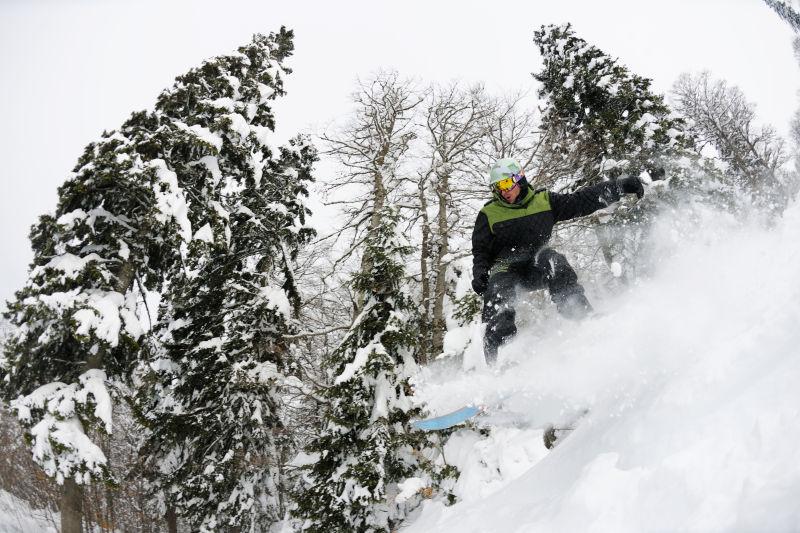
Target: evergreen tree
601, 121
210, 387
78, 322
786, 12
216, 430
599, 117
123, 226
366, 446
792, 17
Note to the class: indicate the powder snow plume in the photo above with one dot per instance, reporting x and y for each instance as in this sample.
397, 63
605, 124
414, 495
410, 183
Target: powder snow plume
690, 378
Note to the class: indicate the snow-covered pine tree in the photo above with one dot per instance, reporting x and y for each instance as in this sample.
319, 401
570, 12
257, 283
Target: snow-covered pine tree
600, 121
599, 118
786, 12
366, 447
78, 322
209, 389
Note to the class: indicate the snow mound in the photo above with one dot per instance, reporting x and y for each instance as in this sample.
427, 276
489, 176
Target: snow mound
690, 381
16, 516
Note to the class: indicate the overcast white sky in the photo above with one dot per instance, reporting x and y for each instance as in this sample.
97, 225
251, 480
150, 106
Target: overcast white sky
71, 69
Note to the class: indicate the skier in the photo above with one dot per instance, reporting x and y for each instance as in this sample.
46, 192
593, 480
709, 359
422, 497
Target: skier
509, 246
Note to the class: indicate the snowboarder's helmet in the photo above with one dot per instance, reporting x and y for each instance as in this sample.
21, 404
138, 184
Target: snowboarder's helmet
502, 169
504, 174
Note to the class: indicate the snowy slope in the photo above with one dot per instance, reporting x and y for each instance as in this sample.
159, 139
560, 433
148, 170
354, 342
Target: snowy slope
692, 379
16, 516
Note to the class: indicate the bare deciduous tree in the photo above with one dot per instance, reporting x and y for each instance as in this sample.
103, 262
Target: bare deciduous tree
723, 120
456, 122
370, 150
510, 130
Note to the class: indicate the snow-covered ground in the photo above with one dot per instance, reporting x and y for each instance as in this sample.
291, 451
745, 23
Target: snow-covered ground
691, 381
16, 516
690, 378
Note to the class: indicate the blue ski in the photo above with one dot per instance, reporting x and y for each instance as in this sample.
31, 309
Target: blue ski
448, 420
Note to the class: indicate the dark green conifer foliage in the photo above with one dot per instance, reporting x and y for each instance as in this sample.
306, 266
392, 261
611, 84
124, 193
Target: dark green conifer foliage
599, 118
190, 201
210, 385
366, 446
786, 12
78, 320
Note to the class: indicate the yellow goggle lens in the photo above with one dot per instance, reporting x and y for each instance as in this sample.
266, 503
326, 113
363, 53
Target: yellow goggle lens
505, 184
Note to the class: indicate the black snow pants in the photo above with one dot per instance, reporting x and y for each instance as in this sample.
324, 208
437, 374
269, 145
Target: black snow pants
547, 269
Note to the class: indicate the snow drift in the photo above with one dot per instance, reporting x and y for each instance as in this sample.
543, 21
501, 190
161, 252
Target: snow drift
691, 382
17, 516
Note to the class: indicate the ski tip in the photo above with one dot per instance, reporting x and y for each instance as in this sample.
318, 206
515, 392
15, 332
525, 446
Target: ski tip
448, 420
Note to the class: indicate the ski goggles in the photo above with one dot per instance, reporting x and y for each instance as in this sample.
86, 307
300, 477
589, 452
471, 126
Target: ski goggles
506, 184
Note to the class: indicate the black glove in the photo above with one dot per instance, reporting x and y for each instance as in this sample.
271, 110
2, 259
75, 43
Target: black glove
480, 282
657, 174
632, 185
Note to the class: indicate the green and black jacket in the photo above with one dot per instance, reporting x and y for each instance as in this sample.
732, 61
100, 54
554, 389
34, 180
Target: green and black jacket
506, 233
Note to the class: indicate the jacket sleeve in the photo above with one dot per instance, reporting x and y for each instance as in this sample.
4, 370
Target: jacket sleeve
584, 201
481, 246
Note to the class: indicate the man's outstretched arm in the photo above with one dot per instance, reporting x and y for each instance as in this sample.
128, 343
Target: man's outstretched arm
589, 199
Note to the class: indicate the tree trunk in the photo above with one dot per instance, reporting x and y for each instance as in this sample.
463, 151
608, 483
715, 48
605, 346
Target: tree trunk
71, 507
125, 277
378, 201
424, 257
172, 520
110, 518
443, 248
72, 496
